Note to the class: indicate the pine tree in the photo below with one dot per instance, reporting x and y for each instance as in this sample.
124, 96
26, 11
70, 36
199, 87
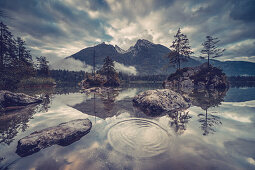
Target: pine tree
211, 49
109, 71
6, 44
24, 58
180, 49
108, 68
43, 67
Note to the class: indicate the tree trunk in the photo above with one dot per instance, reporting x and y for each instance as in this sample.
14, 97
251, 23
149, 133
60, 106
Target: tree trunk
1, 51
208, 60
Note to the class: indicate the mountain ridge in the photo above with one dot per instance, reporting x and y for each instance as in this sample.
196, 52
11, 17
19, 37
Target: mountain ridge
148, 58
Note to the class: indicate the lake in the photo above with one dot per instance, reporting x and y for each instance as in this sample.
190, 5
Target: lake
216, 132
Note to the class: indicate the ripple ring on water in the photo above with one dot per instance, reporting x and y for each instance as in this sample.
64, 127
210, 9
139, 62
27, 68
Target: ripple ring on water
138, 138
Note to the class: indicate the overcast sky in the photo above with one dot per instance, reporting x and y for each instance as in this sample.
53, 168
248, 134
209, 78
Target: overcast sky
59, 28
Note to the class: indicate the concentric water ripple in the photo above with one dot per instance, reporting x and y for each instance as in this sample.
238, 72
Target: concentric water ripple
138, 138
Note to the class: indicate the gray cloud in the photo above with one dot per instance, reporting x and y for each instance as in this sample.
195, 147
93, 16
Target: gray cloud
63, 27
243, 10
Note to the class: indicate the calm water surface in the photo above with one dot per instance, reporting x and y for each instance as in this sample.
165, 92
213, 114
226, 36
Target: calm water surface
216, 132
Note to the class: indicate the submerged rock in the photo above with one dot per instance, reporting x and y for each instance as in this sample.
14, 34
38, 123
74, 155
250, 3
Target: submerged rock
63, 134
155, 102
15, 100
202, 77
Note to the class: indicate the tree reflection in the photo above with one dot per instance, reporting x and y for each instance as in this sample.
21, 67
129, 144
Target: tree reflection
207, 99
108, 98
12, 122
102, 105
208, 122
179, 121
45, 105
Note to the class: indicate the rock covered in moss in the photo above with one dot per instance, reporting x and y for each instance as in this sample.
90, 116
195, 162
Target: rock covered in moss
156, 102
63, 134
197, 77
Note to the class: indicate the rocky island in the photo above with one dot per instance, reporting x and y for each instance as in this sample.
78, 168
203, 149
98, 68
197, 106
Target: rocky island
201, 77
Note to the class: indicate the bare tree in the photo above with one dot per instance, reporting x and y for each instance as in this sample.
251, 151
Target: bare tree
211, 49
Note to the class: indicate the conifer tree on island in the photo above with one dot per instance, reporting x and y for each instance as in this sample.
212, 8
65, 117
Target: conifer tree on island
180, 49
210, 48
109, 71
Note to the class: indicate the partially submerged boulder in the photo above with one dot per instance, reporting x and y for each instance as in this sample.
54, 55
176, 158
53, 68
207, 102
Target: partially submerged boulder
202, 77
63, 134
15, 100
156, 102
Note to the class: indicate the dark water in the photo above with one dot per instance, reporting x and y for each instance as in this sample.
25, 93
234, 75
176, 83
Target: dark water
217, 132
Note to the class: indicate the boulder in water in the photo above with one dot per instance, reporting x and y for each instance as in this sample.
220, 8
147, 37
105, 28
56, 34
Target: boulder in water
63, 134
155, 102
15, 100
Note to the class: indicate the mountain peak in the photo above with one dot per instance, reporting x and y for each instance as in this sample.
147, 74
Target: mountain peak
119, 50
143, 42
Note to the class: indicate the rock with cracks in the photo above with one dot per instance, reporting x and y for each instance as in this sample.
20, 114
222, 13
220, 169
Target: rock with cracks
63, 134
15, 100
156, 102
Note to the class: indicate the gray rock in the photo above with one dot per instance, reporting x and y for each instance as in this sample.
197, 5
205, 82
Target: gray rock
63, 134
10, 99
202, 77
155, 102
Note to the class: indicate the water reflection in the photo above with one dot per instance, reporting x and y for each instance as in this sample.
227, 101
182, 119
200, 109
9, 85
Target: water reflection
179, 121
12, 122
99, 104
139, 138
208, 122
106, 146
207, 99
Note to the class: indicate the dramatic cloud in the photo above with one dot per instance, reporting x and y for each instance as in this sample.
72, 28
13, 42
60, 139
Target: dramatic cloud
59, 28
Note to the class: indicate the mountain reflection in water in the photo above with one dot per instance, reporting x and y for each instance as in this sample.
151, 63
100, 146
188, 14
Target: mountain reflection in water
211, 134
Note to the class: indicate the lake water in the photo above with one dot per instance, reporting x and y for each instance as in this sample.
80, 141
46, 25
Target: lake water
216, 132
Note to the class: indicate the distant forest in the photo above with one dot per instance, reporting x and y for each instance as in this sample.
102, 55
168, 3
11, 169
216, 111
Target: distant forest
65, 77
242, 81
